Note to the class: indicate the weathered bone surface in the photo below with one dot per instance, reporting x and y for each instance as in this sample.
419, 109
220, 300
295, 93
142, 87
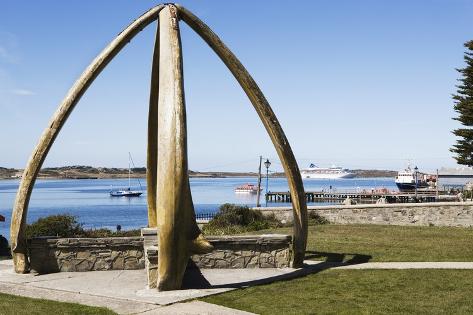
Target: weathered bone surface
271, 124
175, 211
170, 206
20, 209
152, 152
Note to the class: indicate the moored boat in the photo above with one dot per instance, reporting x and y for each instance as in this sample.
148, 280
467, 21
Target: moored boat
334, 172
410, 179
127, 192
247, 189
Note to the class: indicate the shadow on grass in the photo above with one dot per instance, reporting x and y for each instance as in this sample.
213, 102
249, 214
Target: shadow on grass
194, 279
353, 259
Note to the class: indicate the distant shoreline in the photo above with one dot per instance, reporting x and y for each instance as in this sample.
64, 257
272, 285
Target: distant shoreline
89, 172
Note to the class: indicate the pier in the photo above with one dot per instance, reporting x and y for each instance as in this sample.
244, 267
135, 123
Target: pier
367, 197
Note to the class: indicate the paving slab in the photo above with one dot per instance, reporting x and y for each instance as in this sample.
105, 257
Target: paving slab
121, 289
312, 266
131, 284
120, 306
410, 265
194, 308
124, 291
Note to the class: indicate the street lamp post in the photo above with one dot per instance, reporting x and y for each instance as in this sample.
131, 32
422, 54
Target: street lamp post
267, 164
415, 170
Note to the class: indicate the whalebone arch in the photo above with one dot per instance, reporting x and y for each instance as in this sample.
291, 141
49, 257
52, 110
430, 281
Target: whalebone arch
259, 102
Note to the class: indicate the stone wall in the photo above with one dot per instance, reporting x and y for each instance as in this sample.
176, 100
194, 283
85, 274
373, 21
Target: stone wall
435, 214
238, 251
52, 254
234, 252
251, 251
49, 254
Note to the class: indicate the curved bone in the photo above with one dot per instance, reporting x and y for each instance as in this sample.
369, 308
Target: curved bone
152, 151
176, 222
271, 124
17, 230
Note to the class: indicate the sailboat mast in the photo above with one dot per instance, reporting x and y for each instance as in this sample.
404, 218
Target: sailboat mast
259, 183
129, 170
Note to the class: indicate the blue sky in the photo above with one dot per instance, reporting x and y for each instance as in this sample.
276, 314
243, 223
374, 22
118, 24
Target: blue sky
361, 84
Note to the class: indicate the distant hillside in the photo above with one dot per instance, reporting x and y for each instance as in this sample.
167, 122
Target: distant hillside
7, 172
222, 174
358, 173
81, 171
84, 172
374, 173
76, 172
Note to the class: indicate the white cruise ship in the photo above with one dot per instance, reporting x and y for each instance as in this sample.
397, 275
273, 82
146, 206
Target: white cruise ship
326, 172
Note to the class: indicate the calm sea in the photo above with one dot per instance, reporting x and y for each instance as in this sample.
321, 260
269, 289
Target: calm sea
89, 199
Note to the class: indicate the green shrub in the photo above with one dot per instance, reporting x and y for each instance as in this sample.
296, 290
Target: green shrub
234, 219
62, 225
316, 219
467, 194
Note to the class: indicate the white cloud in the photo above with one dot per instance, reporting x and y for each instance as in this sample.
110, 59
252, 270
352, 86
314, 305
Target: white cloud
22, 92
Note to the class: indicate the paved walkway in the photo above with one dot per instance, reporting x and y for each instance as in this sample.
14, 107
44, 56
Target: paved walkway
124, 291
409, 265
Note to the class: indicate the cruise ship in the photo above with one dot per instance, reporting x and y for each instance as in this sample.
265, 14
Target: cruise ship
333, 172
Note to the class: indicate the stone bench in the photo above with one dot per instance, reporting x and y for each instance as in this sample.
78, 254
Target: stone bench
230, 252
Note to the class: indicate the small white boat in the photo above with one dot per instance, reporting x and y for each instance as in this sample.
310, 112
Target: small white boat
247, 189
127, 192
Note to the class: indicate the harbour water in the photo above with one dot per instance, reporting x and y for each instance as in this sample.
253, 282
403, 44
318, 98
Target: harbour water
89, 199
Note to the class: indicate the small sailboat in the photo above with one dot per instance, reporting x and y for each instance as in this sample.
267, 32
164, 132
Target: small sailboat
128, 192
250, 188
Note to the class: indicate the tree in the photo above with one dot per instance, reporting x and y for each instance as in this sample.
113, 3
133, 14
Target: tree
464, 107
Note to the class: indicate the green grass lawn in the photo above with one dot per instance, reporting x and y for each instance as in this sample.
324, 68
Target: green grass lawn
16, 305
369, 291
386, 243
359, 292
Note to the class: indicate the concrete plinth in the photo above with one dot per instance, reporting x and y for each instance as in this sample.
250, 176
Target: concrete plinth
231, 252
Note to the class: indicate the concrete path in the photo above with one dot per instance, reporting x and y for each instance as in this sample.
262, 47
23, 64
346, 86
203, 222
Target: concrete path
313, 265
120, 306
124, 291
409, 265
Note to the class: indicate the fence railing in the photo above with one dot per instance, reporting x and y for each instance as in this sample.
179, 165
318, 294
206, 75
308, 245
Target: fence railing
206, 216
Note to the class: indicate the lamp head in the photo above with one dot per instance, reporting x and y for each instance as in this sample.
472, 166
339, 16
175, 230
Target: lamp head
267, 163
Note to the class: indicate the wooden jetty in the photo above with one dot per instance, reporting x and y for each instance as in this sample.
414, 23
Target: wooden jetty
321, 196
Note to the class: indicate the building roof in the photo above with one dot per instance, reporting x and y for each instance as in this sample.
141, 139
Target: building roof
458, 171
2, 218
